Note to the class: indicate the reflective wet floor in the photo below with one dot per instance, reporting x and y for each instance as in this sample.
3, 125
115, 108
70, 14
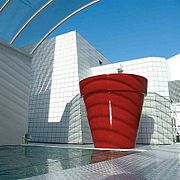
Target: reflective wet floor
18, 162
154, 163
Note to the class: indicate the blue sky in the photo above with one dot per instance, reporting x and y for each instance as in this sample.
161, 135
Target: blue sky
128, 29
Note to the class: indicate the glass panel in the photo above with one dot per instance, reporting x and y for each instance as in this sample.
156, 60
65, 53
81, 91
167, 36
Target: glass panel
2, 2
48, 18
16, 13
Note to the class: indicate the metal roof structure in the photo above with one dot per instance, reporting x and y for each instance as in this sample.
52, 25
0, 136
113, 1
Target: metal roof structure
24, 22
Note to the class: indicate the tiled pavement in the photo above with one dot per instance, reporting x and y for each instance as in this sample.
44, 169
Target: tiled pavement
151, 162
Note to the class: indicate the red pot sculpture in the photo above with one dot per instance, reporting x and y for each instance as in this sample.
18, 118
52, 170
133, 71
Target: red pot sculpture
114, 104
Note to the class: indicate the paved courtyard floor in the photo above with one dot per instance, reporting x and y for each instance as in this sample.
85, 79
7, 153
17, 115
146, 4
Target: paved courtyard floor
155, 162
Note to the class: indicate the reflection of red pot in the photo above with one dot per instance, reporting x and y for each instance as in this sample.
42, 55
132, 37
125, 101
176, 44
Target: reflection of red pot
98, 156
114, 103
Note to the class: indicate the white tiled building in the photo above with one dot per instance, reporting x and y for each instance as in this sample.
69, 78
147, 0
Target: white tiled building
174, 85
56, 110
15, 68
156, 123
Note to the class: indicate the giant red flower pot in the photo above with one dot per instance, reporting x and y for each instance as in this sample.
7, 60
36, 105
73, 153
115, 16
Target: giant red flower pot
114, 104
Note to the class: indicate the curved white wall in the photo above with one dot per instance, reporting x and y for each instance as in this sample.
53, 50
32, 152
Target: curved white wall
174, 64
174, 85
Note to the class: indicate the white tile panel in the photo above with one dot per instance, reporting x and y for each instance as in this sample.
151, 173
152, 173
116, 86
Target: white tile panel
14, 89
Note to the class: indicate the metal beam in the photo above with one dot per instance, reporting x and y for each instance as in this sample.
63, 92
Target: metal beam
61, 22
29, 20
4, 5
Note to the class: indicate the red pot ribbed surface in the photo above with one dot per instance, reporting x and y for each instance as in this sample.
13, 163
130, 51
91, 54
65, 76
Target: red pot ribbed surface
114, 104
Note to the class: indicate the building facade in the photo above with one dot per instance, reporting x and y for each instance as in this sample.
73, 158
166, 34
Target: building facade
156, 125
55, 104
56, 111
15, 68
174, 86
